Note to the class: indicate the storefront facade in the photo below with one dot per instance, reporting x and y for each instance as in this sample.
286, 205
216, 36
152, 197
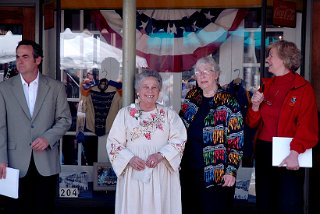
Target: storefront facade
115, 39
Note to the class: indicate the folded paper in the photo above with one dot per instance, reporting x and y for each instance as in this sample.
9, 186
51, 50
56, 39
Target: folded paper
281, 149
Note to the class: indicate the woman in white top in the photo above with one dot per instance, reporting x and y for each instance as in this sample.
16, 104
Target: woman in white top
145, 147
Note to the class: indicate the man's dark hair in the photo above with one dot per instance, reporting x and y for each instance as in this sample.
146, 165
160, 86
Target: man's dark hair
37, 49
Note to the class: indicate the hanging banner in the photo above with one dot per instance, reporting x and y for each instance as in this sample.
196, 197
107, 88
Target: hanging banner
284, 13
173, 40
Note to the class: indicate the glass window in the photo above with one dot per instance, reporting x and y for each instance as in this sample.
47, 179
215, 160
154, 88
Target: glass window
10, 35
169, 41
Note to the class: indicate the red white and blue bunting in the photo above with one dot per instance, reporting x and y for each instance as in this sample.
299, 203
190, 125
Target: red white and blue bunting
172, 40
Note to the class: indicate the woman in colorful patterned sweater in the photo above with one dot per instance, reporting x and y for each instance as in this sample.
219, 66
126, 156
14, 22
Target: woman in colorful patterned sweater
214, 147
145, 146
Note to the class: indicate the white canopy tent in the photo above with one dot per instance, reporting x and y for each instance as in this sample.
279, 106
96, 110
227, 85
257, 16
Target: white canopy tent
86, 50
8, 46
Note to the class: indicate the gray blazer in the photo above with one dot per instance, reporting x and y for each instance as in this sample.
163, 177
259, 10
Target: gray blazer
51, 119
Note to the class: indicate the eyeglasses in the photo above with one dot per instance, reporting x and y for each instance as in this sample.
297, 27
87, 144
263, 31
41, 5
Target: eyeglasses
204, 72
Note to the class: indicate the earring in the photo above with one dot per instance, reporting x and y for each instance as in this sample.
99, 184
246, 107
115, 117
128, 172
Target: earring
137, 99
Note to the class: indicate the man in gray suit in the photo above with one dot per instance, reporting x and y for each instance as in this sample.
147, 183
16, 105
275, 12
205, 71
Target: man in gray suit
34, 115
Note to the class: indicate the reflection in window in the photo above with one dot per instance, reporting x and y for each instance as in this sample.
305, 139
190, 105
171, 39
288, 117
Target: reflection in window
172, 40
251, 54
69, 151
10, 35
87, 150
71, 80
85, 58
87, 50
168, 41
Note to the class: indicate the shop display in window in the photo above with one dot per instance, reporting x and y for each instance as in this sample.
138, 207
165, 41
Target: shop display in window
104, 178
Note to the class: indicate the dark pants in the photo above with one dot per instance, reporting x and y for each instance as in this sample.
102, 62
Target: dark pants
278, 190
37, 193
200, 200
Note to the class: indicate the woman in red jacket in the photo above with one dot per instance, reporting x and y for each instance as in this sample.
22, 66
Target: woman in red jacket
285, 106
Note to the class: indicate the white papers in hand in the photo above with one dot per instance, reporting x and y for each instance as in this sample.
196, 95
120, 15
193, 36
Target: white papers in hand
10, 185
281, 149
143, 175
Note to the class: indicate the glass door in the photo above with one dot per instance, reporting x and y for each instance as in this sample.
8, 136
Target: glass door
15, 23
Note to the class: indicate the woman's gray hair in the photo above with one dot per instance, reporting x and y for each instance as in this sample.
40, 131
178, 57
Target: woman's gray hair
147, 73
210, 61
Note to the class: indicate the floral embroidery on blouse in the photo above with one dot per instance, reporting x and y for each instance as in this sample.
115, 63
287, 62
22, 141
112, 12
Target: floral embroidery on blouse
148, 125
179, 147
115, 150
134, 112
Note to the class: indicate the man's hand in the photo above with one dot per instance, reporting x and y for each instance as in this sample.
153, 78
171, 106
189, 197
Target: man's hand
3, 170
39, 144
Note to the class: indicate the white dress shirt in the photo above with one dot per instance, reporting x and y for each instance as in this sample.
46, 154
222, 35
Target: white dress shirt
30, 92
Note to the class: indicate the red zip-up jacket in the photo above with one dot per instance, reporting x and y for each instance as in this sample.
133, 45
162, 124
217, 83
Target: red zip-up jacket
298, 115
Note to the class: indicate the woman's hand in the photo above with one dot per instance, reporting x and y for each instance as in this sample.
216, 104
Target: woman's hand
137, 163
256, 99
154, 159
229, 181
291, 161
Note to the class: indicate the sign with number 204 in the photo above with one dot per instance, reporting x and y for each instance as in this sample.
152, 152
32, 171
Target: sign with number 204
68, 192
